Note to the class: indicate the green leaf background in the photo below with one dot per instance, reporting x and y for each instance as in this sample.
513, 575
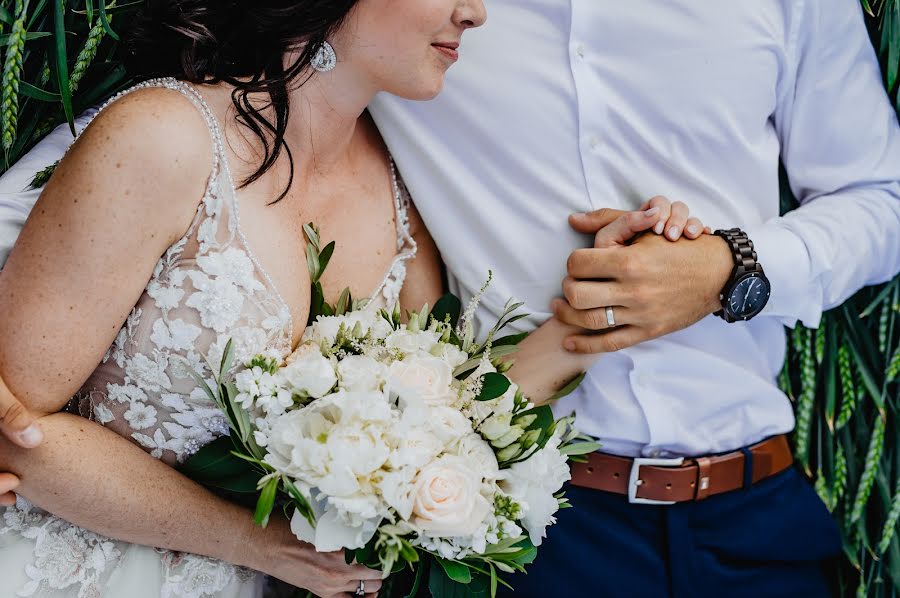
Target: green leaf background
60, 57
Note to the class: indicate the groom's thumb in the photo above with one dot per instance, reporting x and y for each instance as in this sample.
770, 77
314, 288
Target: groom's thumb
591, 222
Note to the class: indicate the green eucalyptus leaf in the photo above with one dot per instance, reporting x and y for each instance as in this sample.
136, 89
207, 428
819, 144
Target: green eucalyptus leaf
493, 385
266, 502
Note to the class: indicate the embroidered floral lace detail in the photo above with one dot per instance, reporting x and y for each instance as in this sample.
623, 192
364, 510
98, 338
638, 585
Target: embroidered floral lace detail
65, 556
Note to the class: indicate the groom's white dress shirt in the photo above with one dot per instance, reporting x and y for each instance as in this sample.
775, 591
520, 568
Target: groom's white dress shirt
560, 106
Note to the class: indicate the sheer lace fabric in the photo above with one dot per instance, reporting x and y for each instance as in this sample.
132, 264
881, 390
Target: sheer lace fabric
206, 289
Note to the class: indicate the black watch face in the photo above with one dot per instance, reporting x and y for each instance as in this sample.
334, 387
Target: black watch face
749, 296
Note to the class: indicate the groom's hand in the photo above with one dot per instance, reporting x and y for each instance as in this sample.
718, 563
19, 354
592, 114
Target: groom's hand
654, 286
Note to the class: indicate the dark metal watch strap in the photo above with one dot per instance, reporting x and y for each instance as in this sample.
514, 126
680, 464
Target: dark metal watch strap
744, 257
742, 251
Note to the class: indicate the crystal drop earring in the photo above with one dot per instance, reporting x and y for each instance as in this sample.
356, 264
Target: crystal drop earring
325, 59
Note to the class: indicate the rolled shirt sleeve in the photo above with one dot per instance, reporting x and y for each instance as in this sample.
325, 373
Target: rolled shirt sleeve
841, 149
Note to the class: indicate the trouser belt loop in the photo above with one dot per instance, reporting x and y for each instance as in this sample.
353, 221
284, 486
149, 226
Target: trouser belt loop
748, 467
703, 478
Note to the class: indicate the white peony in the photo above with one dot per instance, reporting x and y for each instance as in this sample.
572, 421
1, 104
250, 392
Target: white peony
361, 373
448, 501
422, 379
398, 491
311, 374
333, 531
532, 483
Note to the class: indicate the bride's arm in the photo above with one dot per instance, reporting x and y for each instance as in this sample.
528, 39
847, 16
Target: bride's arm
92, 477
119, 199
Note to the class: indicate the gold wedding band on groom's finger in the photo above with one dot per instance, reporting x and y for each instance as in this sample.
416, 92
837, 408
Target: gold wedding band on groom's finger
610, 317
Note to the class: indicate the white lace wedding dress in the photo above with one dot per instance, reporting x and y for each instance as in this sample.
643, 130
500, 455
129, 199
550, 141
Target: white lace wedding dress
207, 288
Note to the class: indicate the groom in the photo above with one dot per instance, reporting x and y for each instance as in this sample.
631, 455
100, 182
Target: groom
566, 107
570, 106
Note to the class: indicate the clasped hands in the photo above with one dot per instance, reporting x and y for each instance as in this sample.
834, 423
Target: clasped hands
659, 269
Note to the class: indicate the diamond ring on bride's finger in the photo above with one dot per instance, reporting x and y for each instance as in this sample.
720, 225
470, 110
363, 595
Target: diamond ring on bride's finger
360, 589
610, 317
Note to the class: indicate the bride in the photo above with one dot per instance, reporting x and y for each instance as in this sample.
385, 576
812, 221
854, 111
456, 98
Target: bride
175, 223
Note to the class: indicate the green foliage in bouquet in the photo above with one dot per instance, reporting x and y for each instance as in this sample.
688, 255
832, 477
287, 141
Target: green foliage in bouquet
60, 57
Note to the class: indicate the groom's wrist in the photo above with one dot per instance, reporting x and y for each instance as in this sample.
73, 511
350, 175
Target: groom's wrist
717, 271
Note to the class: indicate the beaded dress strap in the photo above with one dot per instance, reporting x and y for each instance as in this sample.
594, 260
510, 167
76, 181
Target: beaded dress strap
405, 242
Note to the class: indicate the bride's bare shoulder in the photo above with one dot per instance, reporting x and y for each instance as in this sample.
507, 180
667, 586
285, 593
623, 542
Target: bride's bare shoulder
148, 151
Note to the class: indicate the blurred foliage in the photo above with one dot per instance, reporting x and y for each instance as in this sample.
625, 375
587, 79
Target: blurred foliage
844, 379
60, 58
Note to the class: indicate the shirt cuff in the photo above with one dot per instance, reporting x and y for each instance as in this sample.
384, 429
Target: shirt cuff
796, 295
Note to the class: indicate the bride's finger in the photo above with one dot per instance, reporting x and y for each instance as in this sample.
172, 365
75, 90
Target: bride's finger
665, 210
591, 319
693, 229
624, 228
8, 483
677, 221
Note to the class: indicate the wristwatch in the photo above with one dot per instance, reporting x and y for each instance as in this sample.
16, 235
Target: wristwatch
747, 290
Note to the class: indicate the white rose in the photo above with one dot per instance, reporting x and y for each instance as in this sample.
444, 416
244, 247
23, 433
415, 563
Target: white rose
310, 373
532, 483
448, 425
294, 446
412, 342
361, 373
422, 380
450, 353
448, 502
474, 449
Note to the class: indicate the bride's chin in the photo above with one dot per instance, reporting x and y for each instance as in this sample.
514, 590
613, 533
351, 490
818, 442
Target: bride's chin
423, 90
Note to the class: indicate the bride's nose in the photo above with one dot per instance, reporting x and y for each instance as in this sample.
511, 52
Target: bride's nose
470, 13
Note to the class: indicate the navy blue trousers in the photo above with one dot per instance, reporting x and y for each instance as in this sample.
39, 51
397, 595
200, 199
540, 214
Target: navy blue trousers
773, 539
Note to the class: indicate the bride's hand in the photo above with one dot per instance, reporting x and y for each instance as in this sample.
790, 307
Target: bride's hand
616, 227
277, 552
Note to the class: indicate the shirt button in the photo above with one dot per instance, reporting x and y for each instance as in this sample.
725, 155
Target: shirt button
594, 142
581, 50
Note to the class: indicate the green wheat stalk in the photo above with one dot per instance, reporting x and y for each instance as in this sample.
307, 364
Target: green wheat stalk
890, 526
848, 388
12, 71
88, 51
873, 460
806, 401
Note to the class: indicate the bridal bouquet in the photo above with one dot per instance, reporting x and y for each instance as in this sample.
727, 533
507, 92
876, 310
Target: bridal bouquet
404, 444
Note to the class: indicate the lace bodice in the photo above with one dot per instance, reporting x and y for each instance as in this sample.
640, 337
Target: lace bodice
206, 289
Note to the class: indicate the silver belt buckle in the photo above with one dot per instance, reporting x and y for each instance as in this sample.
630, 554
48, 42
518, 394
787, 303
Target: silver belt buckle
634, 480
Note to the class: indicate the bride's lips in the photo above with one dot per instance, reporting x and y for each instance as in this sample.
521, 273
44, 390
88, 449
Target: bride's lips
448, 49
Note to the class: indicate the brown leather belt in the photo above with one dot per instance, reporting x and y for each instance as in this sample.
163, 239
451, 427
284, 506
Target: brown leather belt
667, 481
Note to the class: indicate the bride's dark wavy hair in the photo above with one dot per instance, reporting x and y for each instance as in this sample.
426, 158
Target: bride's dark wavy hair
242, 43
